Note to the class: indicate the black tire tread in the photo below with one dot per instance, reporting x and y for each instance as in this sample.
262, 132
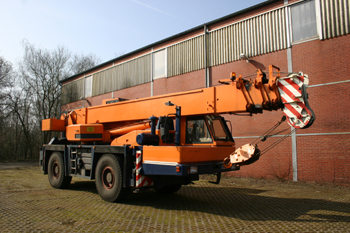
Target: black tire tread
121, 193
63, 181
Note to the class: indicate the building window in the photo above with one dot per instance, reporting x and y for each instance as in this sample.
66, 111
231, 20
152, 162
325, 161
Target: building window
88, 86
304, 24
159, 64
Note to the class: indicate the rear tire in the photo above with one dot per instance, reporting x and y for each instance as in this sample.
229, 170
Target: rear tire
109, 179
56, 172
169, 189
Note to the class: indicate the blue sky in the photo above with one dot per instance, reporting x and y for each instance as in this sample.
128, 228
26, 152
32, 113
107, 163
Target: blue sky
106, 28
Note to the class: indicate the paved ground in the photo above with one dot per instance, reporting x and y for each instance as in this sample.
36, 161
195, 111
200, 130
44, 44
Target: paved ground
29, 204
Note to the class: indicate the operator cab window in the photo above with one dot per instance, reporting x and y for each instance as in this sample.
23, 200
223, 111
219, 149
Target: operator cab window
219, 128
197, 131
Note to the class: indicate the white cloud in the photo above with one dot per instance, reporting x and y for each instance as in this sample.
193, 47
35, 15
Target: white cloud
150, 7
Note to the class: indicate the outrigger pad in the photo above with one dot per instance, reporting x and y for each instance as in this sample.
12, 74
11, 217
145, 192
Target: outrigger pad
295, 99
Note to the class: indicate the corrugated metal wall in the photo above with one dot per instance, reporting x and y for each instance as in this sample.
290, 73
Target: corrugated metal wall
128, 74
186, 56
72, 91
335, 18
258, 35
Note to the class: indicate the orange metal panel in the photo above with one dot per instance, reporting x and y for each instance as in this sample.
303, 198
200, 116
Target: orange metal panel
186, 154
53, 125
81, 116
85, 133
161, 153
191, 102
230, 99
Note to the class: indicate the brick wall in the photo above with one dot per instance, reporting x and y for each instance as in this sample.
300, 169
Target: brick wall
324, 157
184, 82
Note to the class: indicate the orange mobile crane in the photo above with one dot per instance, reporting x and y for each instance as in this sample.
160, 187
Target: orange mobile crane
143, 143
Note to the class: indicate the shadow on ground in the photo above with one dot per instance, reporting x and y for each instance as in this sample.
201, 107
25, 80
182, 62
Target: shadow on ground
242, 203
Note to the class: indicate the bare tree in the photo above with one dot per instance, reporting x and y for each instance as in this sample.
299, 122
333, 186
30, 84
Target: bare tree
33, 93
20, 107
6, 79
41, 70
5, 73
80, 63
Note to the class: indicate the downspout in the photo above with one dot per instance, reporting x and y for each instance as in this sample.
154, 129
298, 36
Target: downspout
290, 70
112, 89
206, 55
152, 72
60, 103
83, 96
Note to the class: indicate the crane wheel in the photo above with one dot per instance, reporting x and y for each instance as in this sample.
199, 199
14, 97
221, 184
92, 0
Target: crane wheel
56, 175
109, 179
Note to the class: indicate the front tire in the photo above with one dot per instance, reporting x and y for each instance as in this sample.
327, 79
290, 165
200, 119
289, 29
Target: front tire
56, 175
109, 179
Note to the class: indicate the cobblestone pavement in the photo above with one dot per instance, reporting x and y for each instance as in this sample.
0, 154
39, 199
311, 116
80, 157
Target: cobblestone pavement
29, 204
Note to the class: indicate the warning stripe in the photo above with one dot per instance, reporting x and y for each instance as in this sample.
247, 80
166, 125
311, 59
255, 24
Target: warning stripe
294, 85
291, 83
296, 123
293, 110
286, 97
141, 181
289, 89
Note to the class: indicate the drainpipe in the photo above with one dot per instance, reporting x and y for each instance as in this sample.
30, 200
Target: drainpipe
206, 55
152, 71
290, 70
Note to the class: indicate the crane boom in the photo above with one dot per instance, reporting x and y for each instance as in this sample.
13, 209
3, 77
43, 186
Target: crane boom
237, 95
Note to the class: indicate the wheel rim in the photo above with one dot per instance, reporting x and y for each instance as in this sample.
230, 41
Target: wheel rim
55, 170
108, 178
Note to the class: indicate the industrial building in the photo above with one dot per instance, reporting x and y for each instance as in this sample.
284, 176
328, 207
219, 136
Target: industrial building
311, 36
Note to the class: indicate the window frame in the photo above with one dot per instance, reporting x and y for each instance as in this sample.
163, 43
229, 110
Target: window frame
154, 63
292, 33
87, 95
222, 121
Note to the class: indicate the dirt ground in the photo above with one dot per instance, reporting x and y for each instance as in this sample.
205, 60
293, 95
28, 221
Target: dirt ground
29, 204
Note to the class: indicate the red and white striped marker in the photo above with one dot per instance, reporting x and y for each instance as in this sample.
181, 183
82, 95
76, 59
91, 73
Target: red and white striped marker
141, 181
294, 97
